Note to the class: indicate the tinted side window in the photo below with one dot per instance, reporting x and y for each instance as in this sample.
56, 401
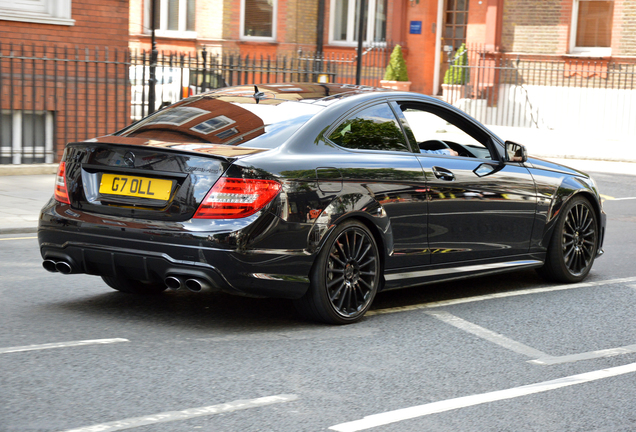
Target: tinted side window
434, 128
374, 128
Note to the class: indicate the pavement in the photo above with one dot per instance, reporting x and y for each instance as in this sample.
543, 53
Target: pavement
24, 189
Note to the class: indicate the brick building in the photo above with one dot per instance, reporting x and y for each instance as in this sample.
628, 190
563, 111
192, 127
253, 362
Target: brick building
57, 59
574, 28
89, 39
560, 64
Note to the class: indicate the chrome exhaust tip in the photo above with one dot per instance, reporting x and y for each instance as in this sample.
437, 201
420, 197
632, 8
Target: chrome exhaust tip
172, 282
197, 285
63, 267
49, 265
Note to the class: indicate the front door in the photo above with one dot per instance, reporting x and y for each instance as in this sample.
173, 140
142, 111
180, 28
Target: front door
454, 33
478, 207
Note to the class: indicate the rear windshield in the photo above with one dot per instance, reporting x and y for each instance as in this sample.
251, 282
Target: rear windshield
228, 120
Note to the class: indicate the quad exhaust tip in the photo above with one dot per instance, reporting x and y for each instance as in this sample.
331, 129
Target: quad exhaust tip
57, 266
173, 282
197, 285
192, 284
49, 265
63, 267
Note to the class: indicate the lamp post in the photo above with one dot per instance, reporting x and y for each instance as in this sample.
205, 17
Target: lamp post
152, 80
360, 40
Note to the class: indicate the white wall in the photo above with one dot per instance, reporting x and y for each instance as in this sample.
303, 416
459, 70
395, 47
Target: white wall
561, 108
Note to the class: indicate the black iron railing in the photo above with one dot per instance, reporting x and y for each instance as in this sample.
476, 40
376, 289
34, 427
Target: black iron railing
54, 95
570, 93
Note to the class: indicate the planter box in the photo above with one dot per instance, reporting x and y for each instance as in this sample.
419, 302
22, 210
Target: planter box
396, 85
451, 93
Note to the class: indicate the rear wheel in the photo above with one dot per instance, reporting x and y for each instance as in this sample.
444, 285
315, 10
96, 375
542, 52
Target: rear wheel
345, 276
574, 243
131, 286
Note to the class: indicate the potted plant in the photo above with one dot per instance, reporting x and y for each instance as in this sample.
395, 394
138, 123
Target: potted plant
456, 77
396, 77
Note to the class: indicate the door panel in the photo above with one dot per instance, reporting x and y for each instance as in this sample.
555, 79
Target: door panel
477, 208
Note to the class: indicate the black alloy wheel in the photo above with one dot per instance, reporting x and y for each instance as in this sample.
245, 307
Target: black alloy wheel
345, 276
574, 243
131, 286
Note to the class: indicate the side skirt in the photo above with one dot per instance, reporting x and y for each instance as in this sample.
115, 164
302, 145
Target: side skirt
402, 278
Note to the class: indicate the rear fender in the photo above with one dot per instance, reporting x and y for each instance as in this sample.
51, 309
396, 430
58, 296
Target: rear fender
345, 207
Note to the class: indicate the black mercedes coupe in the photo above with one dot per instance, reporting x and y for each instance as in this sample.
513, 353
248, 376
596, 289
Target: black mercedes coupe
320, 193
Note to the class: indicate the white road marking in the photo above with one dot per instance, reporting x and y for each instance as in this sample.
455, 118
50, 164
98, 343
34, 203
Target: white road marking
189, 413
466, 401
622, 199
489, 335
540, 358
499, 295
61, 345
17, 238
553, 360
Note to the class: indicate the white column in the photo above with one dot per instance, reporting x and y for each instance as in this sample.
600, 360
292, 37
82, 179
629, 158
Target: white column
16, 139
438, 45
49, 151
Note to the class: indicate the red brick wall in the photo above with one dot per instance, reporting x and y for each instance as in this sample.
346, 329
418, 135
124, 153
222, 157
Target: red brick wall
626, 28
536, 27
81, 94
543, 27
97, 23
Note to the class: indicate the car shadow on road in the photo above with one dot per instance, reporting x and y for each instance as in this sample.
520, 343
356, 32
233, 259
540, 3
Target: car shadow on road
185, 309
459, 289
212, 310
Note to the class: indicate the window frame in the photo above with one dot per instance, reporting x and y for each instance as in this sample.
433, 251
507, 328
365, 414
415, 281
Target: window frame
351, 25
468, 127
586, 51
161, 29
244, 37
56, 12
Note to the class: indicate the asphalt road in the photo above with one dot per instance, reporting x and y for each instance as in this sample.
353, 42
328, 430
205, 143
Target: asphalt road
504, 353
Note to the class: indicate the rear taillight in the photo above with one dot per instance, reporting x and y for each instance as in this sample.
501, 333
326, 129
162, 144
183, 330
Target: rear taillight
61, 193
232, 198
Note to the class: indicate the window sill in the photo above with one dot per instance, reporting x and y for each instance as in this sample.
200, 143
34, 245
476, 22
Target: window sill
365, 45
257, 39
36, 18
590, 52
175, 34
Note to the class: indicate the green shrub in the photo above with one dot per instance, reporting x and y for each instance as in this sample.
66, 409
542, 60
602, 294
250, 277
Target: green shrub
458, 73
396, 69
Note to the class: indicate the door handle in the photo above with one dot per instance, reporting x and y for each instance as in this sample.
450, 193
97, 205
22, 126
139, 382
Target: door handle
443, 174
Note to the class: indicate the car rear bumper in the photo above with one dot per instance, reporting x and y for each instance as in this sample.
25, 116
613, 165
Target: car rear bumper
153, 251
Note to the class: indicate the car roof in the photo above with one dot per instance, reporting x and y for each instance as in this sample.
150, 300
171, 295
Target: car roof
276, 93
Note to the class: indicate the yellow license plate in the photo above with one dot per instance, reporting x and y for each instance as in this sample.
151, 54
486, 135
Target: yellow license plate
133, 186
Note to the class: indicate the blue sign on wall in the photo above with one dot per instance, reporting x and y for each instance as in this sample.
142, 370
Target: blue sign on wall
416, 27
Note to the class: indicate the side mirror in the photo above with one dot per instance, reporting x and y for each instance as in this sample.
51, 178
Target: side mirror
516, 152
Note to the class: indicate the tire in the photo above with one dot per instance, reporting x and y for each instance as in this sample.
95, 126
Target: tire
130, 286
345, 277
574, 243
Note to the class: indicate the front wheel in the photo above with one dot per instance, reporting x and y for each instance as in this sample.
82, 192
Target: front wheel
131, 286
345, 276
574, 243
